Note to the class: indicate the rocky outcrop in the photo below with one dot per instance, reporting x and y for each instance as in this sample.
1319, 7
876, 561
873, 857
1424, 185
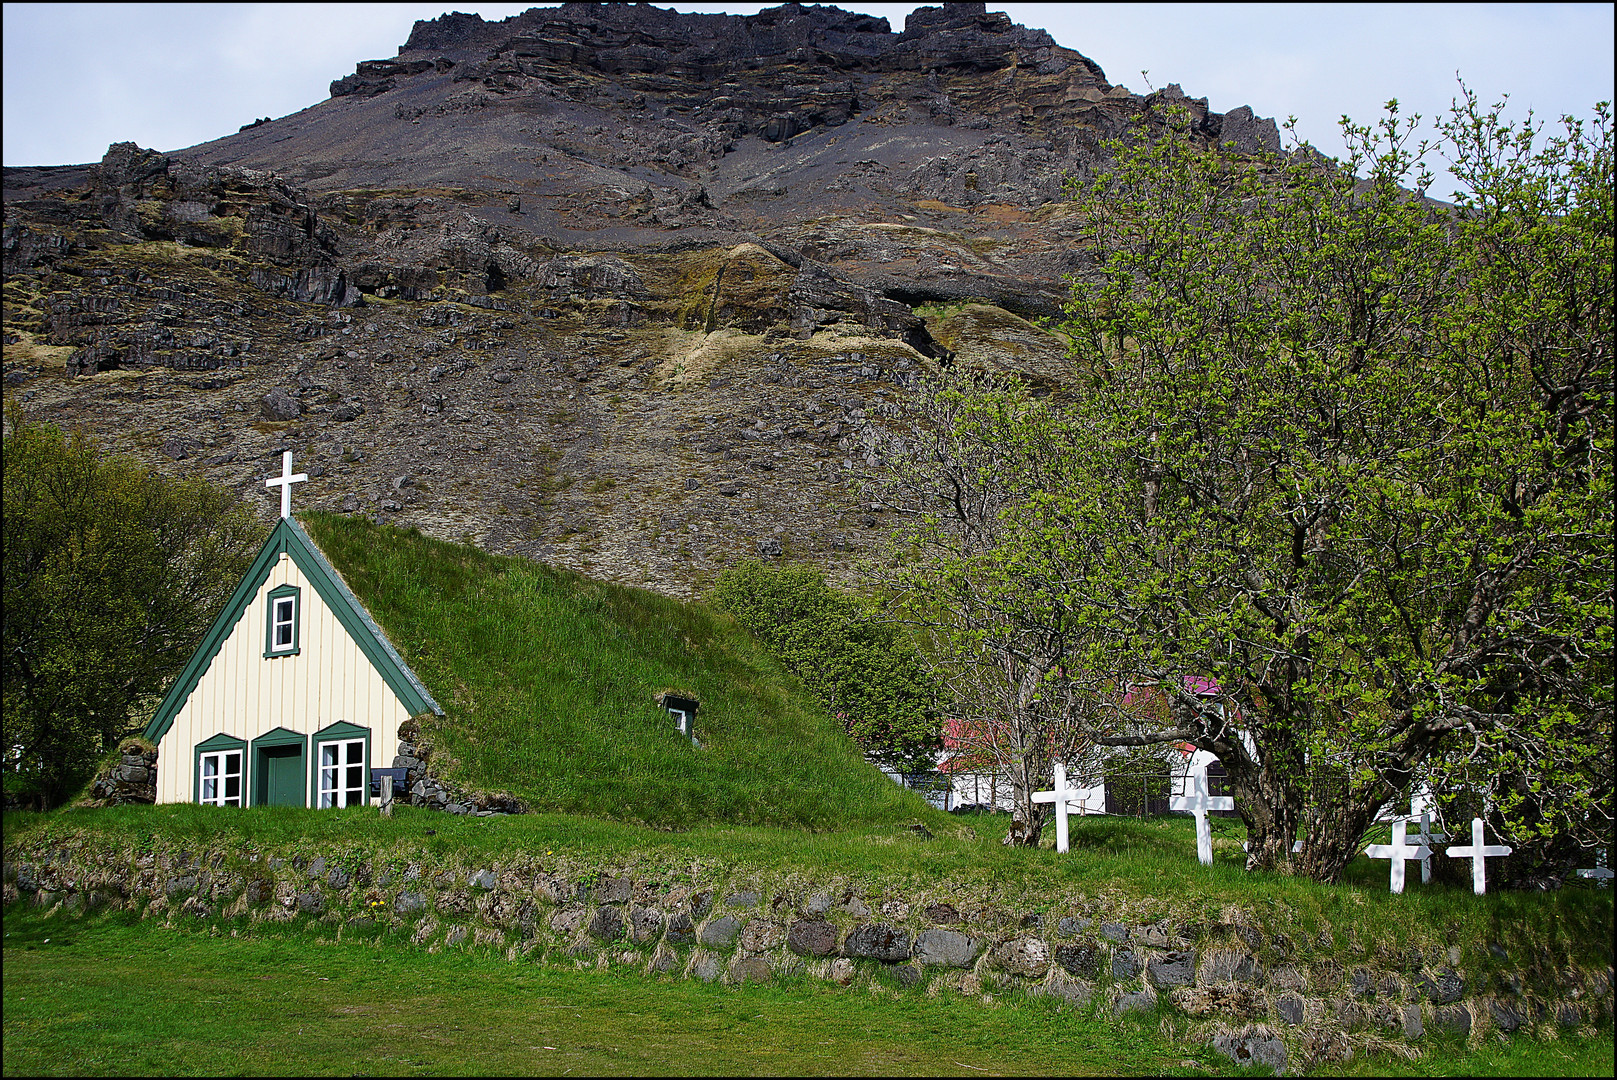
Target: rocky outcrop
132, 778
424, 788
621, 288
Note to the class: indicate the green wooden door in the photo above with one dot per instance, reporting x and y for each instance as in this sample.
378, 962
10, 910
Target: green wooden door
283, 775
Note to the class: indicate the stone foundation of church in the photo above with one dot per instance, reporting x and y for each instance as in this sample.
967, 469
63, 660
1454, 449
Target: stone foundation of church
1257, 988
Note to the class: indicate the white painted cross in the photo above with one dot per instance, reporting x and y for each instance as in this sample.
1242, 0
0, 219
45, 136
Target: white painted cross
1198, 802
1428, 838
1399, 852
1066, 799
1601, 874
1478, 852
1601, 871
285, 482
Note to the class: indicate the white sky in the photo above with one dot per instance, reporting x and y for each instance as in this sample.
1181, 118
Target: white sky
80, 76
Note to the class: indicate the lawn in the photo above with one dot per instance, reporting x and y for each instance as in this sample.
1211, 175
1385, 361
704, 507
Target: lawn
112, 995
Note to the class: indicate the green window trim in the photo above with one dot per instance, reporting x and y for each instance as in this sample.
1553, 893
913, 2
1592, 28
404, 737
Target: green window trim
217, 744
275, 737
341, 731
276, 596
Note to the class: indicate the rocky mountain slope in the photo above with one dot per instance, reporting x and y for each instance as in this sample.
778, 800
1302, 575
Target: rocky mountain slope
607, 285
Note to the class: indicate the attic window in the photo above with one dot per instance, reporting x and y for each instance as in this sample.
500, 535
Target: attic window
281, 631
682, 710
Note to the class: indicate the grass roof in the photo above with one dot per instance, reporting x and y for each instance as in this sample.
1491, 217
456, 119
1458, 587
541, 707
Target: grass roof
548, 680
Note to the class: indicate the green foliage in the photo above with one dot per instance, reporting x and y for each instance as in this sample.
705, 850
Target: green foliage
862, 671
112, 575
1341, 449
548, 678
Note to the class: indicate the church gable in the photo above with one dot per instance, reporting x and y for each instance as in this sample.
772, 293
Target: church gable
291, 660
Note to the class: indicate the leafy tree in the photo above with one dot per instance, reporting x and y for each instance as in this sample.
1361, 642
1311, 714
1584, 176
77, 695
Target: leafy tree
997, 634
1343, 450
861, 670
112, 574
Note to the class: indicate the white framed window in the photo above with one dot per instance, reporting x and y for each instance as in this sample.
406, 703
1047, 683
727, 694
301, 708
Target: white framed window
222, 778
286, 610
342, 773
281, 622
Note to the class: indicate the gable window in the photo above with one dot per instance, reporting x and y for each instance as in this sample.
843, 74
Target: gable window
281, 631
342, 773
221, 772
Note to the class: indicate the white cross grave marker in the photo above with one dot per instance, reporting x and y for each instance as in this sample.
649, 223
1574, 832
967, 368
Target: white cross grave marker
1066, 798
1399, 852
1478, 852
1198, 802
1601, 871
1428, 838
285, 482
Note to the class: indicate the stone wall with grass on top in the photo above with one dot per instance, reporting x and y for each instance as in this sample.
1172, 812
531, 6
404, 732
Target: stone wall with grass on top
1262, 990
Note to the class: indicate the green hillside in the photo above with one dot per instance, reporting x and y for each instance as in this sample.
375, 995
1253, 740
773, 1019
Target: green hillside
547, 678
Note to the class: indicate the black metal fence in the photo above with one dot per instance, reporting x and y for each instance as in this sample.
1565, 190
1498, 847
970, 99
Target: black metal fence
1134, 791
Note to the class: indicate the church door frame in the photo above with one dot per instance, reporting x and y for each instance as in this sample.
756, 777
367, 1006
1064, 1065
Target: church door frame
276, 740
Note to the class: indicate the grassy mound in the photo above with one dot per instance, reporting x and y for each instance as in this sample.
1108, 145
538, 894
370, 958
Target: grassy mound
547, 678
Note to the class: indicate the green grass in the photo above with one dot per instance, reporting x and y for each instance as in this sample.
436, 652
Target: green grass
107, 996
112, 995
547, 679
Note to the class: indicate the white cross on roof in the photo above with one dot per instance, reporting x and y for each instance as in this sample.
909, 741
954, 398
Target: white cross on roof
285, 482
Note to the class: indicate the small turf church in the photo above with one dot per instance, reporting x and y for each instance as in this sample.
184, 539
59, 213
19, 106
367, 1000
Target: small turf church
293, 695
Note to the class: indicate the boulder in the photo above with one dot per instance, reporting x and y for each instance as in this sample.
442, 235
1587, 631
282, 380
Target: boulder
720, 933
877, 941
1253, 1046
279, 405
945, 948
607, 924
1081, 958
812, 937
1027, 957
1172, 969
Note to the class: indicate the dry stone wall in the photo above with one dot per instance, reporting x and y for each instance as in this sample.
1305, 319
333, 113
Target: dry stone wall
1262, 992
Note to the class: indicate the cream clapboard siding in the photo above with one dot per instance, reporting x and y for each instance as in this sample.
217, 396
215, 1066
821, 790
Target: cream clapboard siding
244, 695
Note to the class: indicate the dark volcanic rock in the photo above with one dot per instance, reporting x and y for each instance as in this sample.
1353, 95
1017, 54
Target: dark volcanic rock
627, 290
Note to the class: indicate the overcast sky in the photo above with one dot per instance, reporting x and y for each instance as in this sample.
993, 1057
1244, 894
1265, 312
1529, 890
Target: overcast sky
166, 76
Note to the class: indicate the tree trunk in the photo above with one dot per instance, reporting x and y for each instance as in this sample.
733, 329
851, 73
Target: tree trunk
1271, 818
1027, 821
1338, 818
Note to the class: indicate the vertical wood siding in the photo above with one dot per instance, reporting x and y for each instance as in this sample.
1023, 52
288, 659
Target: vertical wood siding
244, 694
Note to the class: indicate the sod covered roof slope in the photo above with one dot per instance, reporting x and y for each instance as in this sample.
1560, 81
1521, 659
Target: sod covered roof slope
548, 682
